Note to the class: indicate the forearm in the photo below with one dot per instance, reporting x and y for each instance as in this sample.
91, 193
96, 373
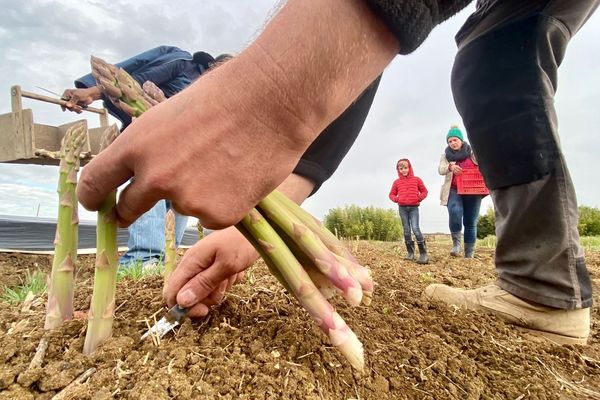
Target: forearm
307, 70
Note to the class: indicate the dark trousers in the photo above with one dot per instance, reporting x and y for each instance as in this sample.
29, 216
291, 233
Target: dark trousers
504, 80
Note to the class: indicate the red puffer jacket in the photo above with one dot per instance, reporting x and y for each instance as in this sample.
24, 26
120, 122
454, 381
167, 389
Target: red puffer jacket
408, 190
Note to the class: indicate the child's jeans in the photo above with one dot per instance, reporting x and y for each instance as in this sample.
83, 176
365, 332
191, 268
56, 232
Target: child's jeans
146, 241
464, 210
410, 222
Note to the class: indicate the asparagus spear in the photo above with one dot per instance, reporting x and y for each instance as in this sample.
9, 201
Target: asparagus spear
170, 245
301, 286
310, 244
60, 291
102, 308
359, 272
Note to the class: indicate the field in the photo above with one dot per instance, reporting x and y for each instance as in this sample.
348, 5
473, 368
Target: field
258, 344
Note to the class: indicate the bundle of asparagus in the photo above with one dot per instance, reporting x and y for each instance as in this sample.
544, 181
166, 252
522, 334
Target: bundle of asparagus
102, 308
305, 257
60, 291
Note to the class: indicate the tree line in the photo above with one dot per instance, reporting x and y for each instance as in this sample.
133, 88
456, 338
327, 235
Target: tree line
372, 223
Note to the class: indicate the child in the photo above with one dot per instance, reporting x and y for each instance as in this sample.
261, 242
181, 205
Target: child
409, 191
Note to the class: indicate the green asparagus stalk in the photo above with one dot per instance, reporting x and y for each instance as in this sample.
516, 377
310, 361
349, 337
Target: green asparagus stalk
102, 308
120, 87
312, 246
359, 272
170, 245
60, 292
301, 286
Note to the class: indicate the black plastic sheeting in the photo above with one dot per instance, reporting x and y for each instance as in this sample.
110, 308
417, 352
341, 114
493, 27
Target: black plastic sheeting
37, 234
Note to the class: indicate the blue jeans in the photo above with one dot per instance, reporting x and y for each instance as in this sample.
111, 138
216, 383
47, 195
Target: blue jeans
464, 210
410, 222
146, 241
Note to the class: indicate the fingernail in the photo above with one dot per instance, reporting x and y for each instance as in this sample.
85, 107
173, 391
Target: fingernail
187, 298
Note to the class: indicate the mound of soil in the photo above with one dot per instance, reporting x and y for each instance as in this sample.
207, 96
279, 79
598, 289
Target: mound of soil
259, 344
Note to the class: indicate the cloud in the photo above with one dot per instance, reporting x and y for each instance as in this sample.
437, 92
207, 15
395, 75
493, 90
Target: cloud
48, 43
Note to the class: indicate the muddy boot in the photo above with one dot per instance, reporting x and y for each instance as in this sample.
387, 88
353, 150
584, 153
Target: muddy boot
455, 252
423, 258
410, 249
469, 250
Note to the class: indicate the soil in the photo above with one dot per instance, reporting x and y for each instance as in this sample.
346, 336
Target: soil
259, 344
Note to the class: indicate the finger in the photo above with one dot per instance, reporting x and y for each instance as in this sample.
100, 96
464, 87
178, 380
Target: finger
104, 174
202, 285
216, 296
133, 201
194, 261
198, 311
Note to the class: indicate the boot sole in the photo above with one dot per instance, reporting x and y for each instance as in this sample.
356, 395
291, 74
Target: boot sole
556, 338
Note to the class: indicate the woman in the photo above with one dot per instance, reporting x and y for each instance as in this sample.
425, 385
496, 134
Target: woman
462, 209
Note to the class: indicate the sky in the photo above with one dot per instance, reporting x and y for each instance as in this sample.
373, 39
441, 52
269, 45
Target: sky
47, 43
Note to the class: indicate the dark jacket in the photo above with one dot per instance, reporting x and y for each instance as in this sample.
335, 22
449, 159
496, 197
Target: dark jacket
408, 190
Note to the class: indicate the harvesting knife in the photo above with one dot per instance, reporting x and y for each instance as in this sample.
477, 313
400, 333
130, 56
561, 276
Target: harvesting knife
173, 318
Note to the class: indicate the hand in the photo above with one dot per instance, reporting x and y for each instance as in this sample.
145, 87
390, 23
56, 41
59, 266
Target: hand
77, 99
238, 131
456, 170
219, 260
208, 270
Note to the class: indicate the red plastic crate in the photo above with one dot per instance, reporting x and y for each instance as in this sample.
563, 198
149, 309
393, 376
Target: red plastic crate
471, 182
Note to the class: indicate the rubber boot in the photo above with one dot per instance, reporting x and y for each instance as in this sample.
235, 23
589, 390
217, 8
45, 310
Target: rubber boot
410, 249
423, 258
469, 250
455, 252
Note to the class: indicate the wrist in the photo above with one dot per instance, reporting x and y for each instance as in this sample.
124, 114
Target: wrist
316, 69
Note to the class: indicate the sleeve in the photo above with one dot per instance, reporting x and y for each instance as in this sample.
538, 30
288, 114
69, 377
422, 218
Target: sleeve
85, 81
411, 21
422, 190
160, 74
443, 167
324, 155
394, 193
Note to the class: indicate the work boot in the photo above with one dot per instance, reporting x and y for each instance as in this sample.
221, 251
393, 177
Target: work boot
455, 252
469, 250
423, 258
558, 325
410, 249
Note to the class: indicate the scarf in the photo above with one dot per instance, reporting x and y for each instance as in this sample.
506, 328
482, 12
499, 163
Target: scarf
458, 155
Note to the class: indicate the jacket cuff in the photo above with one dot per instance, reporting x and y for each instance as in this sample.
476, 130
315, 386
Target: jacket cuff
411, 21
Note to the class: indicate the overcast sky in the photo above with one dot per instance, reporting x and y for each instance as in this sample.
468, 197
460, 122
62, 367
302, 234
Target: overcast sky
48, 43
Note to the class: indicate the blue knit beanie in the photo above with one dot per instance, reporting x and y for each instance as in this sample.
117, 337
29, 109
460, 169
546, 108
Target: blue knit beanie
455, 132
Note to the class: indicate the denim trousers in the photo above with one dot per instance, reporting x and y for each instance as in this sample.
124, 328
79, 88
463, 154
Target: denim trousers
410, 222
464, 210
146, 241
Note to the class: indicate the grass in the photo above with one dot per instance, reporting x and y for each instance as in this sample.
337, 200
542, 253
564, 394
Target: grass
34, 282
587, 242
427, 277
136, 271
590, 242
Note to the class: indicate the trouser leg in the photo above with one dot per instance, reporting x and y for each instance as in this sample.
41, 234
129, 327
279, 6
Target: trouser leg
414, 223
146, 241
538, 256
471, 206
406, 228
455, 211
